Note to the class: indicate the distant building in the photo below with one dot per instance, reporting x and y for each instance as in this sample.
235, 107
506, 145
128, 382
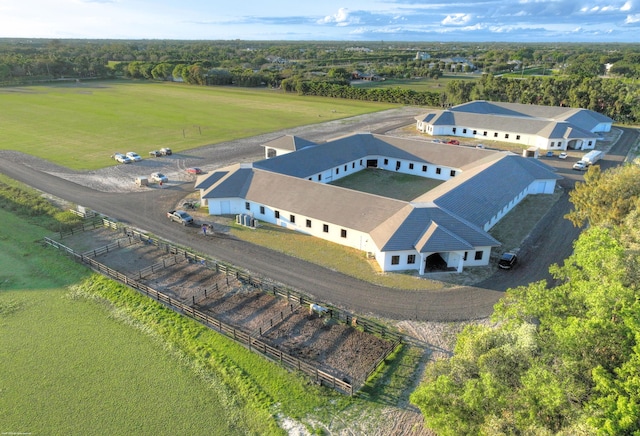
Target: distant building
544, 127
445, 228
422, 56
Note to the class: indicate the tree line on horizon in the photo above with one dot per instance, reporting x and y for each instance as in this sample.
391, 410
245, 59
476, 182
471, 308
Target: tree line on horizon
326, 69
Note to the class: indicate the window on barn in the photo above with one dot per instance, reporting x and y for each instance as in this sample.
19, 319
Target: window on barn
292, 218
484, 133
277, 214
410, 166
464, 130
452, 173
319, 177
325, 228
518, 137
397, 165
262, 210
475, 132
424, 168
411, 259
438, 170
247, 205
506, 136
345, 168
386, 161
479, 255
337, 170
453, 130
395, 260
466, 254
343, 233
495, 134
353, 164
309, 223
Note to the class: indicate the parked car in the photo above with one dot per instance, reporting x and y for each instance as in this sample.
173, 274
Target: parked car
436, 140
453, 142
121, 158
165, 151
155, 153
159, 177
507, 260
562, 155
580, 166
550, 154
194, 170
481, 146
134, 156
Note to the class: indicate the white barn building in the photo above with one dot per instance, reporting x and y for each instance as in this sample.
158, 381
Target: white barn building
544, 127
444, 228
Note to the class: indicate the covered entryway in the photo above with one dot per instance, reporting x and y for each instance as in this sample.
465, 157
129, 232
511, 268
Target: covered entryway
434, 263
372, 163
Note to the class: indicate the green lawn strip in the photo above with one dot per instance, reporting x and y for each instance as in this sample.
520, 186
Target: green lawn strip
81, 125
266, 387
32, 207
330, 255
419, 84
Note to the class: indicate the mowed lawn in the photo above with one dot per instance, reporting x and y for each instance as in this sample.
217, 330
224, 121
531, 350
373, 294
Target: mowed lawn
82, 354
399, 186
81, 125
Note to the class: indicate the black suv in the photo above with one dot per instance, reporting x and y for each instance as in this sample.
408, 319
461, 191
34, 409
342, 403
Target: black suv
507, 260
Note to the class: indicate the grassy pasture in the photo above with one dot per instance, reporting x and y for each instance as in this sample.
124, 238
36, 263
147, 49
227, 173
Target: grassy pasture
420, 85
82, 354
81, 125
69, 366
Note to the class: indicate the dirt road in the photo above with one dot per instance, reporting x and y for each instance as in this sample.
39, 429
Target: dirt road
147, 210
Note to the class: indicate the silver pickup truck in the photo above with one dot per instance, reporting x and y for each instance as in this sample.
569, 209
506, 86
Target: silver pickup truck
180, 216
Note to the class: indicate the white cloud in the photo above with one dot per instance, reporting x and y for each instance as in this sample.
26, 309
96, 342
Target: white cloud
632, 19
626, 7
456, 19
340, 18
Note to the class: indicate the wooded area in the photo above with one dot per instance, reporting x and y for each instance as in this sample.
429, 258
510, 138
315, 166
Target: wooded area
559, 360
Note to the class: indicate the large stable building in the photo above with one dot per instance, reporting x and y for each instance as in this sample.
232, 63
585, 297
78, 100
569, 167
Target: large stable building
445, 227
544, 127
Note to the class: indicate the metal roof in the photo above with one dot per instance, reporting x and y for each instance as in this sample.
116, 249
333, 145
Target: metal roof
450, 215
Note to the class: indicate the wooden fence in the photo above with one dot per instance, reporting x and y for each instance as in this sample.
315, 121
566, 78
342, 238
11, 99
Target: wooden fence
249, 340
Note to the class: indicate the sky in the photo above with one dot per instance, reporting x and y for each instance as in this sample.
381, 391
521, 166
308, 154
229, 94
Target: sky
325, 20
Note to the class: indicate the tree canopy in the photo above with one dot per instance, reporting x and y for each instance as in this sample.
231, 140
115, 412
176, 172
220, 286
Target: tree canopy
560, 360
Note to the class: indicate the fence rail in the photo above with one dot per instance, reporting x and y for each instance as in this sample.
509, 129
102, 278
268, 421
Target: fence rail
250, 341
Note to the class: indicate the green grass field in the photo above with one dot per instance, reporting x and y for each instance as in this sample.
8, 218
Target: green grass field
70, 366
421, 84
82, 354
81, 125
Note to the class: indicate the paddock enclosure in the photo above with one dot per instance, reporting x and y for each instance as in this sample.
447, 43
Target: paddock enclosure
335, 348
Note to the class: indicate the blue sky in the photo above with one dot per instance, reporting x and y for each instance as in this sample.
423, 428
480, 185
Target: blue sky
373, 20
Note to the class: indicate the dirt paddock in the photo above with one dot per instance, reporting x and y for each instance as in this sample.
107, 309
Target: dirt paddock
342, 350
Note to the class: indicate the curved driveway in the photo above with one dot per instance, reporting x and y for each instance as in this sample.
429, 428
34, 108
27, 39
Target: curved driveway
147, 210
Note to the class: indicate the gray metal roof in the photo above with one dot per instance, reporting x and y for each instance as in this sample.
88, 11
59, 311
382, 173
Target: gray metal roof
289, 142
547, 121
450, 215
314, 160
